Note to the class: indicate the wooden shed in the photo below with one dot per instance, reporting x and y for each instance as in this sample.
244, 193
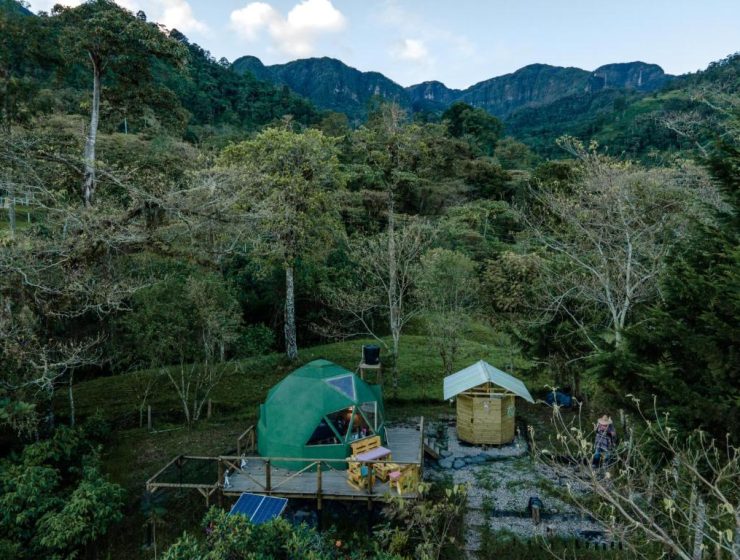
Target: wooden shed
486, 409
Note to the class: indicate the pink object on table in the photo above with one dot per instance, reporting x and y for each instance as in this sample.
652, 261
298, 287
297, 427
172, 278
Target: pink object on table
373, 454
395, 475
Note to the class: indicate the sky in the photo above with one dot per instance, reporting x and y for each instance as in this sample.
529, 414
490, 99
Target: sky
458, 42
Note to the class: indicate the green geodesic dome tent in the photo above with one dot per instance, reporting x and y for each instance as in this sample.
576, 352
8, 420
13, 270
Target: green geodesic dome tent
316, 412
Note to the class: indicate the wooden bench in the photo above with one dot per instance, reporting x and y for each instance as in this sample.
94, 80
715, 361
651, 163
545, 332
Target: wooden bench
365, 444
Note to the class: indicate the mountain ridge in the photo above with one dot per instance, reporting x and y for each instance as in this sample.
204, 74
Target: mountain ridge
332, 84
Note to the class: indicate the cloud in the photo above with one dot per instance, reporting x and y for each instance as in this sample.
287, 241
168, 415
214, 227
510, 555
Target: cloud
251, 19
178, 14
295, 34
47, 5
410, 23
173, 14
412, 50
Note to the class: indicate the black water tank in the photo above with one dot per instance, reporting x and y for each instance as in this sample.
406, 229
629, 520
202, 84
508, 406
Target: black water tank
371, 354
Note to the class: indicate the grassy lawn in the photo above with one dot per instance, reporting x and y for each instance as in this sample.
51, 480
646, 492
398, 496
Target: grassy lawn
245, 383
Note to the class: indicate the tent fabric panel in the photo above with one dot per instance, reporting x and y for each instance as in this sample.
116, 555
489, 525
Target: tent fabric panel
483, 372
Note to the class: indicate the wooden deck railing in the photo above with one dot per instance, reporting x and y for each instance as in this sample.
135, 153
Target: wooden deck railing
247, 442
264, 480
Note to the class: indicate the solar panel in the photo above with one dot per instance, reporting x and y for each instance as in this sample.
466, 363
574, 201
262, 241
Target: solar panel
344, 384
259, 509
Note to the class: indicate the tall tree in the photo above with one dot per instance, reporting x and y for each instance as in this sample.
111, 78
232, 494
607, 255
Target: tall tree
402, 164
112, 41
382, 287
288, 181
608, 236
448, 287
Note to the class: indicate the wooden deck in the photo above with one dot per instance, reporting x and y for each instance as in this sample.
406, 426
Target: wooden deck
326, 479
321, 479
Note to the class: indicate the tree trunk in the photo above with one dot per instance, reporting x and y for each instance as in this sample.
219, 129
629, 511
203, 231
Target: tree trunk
6, 102
71, 399
11, 215
618, 338
699, 522
88, 186
394, 311
291, 345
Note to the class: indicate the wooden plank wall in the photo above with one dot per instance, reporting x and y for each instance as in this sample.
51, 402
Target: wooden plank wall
485, 419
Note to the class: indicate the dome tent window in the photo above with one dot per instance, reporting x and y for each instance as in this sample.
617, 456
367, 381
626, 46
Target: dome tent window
323, 435
344, 384
360, 426
341, 420
370, 412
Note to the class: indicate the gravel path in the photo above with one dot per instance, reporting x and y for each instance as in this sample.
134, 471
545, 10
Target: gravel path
501, 480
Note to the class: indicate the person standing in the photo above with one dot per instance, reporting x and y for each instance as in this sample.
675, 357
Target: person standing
605, 440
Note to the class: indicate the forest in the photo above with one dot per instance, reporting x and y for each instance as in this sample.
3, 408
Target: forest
175, 237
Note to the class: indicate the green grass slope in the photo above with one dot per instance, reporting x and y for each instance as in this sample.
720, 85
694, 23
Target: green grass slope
245, 383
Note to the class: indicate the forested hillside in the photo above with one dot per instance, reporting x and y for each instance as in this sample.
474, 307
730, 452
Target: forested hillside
636, 124
626, 107
175, 229
331, 84
328, 83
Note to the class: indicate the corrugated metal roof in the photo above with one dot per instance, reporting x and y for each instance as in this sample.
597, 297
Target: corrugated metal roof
483, 372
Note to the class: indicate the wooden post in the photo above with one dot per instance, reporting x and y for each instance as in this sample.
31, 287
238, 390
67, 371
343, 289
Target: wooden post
421, 451
318, 486
149, 417
531, 444
268, 476
210, 409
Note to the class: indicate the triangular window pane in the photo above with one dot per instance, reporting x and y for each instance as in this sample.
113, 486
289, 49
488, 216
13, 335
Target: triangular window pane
341, 420
344, 384
369, 411
323, 435
360, 427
